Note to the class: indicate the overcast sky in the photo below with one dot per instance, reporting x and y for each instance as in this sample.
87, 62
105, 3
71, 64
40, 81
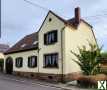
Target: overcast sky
20, 18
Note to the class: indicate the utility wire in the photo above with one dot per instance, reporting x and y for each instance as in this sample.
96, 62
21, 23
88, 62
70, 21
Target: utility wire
37, 5
87, 17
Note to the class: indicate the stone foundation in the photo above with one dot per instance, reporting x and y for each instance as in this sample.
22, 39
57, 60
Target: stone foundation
47, 77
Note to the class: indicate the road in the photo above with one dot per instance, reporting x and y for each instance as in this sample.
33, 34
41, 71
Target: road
10, 82
6, 84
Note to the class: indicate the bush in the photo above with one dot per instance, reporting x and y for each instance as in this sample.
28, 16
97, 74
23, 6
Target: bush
91, 80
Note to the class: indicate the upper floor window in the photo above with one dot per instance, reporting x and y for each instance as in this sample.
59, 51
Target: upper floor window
50, 37
19, 62
51, 60
32, 61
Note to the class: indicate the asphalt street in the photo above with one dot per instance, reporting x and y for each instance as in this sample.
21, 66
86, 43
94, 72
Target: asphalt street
11, 82
6, 84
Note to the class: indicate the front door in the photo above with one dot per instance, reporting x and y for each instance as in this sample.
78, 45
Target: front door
9, 65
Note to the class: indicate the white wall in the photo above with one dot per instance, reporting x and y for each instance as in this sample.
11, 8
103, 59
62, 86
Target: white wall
25, 56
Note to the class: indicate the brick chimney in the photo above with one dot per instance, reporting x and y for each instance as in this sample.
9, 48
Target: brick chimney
77, 15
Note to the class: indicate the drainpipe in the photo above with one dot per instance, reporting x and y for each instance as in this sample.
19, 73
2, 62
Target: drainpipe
38, 60
62, 76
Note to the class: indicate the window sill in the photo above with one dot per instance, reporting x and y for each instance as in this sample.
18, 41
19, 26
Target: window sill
32, 67
18, 67
50, 43
50, 67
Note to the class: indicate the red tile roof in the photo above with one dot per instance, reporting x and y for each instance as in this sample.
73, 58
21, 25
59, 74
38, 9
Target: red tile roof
27, 43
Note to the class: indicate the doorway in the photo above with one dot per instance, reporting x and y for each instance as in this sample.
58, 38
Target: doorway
9, 65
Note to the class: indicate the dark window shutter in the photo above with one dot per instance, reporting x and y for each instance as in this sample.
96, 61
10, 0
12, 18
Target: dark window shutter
45, 39
28, 61
55, 33
35, 60
21, 62
16, 62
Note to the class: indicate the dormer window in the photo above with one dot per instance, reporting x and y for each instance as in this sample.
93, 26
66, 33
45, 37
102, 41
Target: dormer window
50, 37
23, 45
35, 42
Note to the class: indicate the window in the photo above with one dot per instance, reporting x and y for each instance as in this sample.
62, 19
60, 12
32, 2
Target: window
51, 60
19, 62
50, 19
23, 45
32, 61
50, 37
35, 42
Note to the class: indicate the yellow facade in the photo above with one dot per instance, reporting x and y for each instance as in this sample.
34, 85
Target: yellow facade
55, 24
74, 39
69, 38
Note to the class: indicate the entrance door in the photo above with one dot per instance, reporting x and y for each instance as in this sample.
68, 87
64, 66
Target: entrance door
9, 65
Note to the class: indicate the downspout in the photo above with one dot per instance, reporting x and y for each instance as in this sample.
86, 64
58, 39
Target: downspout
62, 74
38, 61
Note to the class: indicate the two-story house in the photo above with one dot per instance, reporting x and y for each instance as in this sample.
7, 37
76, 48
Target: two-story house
46, 54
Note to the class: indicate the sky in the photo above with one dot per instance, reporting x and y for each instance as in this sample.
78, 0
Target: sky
19, 18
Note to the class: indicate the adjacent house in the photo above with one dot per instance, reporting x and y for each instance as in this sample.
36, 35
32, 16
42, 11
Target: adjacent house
3, 48
46, 54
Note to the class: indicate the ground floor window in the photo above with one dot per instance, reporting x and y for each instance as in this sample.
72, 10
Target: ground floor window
32, 61
51, 60
19, 62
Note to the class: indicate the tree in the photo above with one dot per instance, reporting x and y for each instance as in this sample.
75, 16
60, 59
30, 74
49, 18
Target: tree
88, 59
104, 54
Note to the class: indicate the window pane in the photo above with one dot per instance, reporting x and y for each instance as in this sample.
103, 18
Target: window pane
51, 60
19, 62
50, 37
32, 61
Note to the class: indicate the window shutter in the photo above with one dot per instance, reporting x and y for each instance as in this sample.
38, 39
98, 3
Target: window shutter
16, 62
28, 61
55, 33
35, 60
21, 62
45, 39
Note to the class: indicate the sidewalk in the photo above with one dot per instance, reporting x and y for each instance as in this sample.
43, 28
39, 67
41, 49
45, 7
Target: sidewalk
41, 83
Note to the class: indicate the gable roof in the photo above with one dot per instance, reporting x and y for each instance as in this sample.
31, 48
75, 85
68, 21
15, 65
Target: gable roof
71, 21
27, 43
75, 24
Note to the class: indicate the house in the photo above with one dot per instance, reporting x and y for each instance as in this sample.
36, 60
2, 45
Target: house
46, 54
3, 48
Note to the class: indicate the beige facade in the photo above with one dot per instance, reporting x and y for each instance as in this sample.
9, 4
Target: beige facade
74, 39
69, 38
55, 24
1, 56
25, 56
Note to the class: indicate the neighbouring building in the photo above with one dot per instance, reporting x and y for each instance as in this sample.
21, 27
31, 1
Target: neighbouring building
3, 48
46, 54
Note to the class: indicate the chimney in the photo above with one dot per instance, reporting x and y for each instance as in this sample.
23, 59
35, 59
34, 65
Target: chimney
77, 15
